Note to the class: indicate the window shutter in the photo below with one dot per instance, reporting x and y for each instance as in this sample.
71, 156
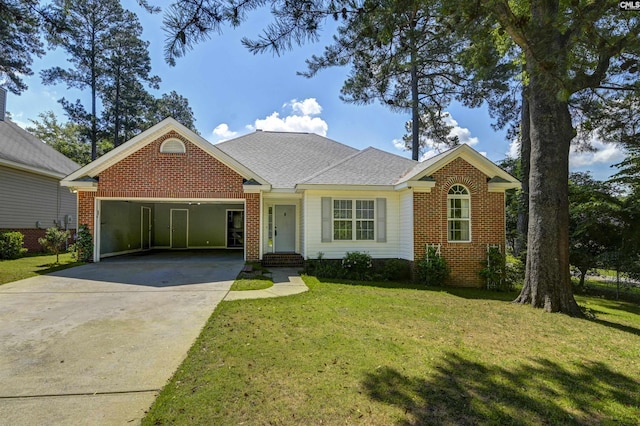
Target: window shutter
326, 219
381, 219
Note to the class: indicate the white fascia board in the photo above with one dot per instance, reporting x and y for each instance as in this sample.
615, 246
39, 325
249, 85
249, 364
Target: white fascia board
416, 185
503, 186
254, 189
31, 169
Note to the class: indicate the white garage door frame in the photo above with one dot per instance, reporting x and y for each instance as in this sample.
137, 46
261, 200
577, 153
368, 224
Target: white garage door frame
98, 206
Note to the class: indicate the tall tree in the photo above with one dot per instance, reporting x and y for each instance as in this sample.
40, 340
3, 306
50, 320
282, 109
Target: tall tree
173, 105
127, 63
568, 48
102, 40
20, 21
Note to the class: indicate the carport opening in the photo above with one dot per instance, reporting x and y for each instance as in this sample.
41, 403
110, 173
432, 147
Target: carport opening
128, 227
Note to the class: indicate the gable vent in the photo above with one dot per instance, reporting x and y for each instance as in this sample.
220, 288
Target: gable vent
173, 146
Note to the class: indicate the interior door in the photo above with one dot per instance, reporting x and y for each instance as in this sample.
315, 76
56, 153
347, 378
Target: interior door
285, 229
145, 231
179, 228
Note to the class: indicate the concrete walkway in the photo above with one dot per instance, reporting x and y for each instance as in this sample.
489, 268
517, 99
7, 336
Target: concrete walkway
286, 282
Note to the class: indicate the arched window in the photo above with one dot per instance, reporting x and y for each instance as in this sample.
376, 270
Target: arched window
172, 146
459, 214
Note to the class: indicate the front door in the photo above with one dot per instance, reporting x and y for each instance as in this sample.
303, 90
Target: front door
179, 228
285, 229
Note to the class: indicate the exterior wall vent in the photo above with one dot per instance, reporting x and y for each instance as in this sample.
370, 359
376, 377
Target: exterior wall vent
173, 146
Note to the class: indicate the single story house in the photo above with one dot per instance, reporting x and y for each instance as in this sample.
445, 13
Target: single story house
32, 199
277, 193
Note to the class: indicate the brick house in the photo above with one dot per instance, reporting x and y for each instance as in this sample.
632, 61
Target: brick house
31, 198
294, 194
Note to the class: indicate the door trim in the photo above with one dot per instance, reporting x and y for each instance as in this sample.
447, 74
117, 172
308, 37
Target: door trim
142, 212
294, 226
186, 237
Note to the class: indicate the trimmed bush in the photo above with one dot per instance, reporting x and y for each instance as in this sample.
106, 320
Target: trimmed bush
11, 245
432, 269
357, 265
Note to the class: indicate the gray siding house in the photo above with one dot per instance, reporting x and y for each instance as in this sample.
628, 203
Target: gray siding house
31, 198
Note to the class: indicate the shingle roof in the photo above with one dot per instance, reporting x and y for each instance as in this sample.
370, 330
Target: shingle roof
21, 147
370, 166
285, 159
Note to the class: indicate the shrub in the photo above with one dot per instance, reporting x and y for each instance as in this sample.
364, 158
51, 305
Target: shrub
498, 274
432, 269
396, 270
11, 245
357, 265
324, 268
82, 249
54, 241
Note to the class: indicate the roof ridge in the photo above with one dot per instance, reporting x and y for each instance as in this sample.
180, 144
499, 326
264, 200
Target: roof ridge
331, 166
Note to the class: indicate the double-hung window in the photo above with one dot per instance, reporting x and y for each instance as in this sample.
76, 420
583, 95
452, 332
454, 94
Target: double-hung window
353, 219
458, 214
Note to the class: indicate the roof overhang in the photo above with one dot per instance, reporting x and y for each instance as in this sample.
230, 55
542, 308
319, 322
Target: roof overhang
416, 185
31, 169
503, 186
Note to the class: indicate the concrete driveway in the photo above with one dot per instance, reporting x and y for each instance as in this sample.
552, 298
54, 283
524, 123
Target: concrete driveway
95, 344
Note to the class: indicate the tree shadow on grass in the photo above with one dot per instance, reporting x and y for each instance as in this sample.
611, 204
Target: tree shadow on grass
55, 267
465, 392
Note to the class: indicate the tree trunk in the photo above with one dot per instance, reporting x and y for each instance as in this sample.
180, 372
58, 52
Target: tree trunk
525, 158
547, 280
415, 115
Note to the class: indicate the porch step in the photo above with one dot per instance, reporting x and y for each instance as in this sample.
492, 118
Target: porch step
282, 259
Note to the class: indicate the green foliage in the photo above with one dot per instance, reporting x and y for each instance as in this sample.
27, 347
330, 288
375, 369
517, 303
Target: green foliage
82, 249
495, 271
11, 245
514, 271
54, 241
432, 269
357, 265
19, 41
66, 138
396, 270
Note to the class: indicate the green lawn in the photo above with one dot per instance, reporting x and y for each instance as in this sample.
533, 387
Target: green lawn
29, 266
378, 355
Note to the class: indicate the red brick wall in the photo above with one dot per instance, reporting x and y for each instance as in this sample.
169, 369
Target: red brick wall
148, 173
487, 221
31, 236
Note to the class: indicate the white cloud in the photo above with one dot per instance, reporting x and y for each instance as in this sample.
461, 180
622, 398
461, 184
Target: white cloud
463, 134
222, 133
399, 144
604, 154
514, 149
309, 106
292, 123
300, 119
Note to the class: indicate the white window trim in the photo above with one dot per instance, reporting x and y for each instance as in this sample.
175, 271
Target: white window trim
353, 219
467, 197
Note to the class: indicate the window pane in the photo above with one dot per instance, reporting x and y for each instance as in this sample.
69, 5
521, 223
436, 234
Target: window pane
459, 230
364, 229
342, 209
342, 230
364, 209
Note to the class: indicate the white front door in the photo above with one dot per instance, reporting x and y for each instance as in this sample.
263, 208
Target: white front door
285, 228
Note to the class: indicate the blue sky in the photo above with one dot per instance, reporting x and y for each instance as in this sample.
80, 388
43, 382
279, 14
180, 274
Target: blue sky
233, 92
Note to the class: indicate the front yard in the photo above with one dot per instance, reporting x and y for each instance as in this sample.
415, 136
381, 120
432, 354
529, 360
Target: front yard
378, 355
32, 265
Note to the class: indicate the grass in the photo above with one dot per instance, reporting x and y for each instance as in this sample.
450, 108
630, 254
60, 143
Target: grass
32, 265
381, 354
258, 283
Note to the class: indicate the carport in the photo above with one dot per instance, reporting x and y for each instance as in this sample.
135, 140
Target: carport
125, 226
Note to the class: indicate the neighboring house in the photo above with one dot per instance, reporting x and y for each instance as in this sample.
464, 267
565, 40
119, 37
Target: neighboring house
31, 198
271, 192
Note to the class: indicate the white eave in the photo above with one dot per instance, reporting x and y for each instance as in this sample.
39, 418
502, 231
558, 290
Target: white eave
416, 185
344, 187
